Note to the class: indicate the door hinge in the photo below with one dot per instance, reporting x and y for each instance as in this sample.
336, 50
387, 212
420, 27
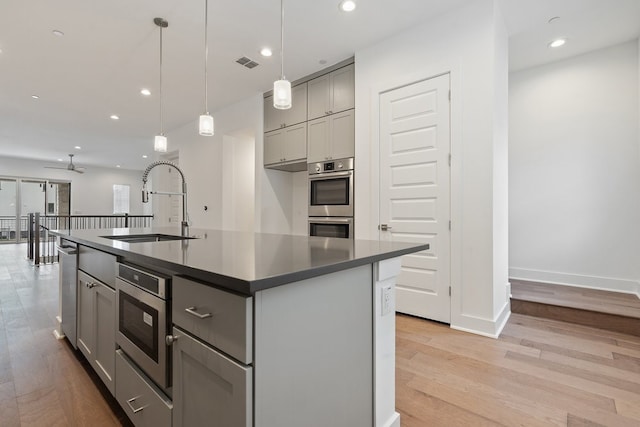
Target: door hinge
449, 225
449, 290
449, 159
449, 95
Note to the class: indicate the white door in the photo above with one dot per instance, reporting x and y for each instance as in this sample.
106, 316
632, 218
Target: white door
415, 192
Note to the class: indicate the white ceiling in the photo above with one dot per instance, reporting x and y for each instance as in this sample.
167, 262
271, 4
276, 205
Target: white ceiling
110, 51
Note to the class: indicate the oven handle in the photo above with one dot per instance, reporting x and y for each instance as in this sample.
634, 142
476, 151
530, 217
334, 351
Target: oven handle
193, 312
135, 410
329, 175
330, 220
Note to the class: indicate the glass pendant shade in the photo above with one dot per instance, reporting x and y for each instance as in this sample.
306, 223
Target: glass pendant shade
160, 144
282, 94
206, 127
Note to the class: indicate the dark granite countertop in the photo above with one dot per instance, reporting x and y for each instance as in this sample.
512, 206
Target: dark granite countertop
241, 261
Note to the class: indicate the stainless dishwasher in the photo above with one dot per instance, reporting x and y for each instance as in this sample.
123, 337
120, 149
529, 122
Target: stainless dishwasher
68, 259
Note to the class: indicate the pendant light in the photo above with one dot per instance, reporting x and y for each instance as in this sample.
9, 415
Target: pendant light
282, 87
206, 127
160, 143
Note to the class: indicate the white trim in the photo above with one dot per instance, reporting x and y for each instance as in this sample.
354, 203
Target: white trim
626, 286
393, 421
485, 327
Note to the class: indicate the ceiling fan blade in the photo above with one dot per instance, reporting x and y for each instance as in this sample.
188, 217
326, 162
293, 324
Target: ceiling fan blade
55, 167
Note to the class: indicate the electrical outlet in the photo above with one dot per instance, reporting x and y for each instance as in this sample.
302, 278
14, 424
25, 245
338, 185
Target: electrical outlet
387, 300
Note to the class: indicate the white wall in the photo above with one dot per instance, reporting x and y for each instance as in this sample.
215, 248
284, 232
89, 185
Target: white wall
91, 192
575, 170
226, 173
470, 43
209, 164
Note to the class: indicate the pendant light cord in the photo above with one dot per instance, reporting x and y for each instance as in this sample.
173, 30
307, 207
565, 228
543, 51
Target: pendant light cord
206, 55
281, 39
161, 133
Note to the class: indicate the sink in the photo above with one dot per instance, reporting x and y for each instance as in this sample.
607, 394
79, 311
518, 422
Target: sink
142, 238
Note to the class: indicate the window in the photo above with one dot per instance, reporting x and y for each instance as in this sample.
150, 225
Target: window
120, 199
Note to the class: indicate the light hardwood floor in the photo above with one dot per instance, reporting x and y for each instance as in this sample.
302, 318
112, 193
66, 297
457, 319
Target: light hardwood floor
539, 373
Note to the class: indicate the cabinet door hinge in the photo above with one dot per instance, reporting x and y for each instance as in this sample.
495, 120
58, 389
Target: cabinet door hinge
449, 290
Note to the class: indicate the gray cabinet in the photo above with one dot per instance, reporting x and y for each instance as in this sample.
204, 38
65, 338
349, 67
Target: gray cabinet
143, 402
286, 146
97, 326
218, 317
331, 93
208, 387
278, 119
331, 137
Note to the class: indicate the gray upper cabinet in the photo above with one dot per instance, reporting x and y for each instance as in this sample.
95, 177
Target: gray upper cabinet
331, 93
286, 148
277, 119
331, 137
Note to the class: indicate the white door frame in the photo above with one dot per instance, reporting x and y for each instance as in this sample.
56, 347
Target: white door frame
456, 166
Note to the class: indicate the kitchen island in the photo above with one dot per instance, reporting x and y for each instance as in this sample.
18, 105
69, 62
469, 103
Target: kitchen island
312, 321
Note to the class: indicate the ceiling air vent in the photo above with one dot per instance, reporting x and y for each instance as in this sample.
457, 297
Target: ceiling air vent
247, 62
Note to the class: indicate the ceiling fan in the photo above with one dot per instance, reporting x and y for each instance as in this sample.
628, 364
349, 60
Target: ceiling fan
70, 166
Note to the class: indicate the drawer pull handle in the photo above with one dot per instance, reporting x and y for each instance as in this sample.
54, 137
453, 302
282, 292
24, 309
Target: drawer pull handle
135, 410
192, 311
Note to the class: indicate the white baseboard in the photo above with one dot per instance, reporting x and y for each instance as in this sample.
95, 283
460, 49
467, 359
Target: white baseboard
485, 327
591, 282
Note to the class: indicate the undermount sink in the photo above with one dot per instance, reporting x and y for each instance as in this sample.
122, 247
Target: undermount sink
142, 238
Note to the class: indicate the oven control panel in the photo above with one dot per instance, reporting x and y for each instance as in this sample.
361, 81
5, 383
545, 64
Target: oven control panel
331, 166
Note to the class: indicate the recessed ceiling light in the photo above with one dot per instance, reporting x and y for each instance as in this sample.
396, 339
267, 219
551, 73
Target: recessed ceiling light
117, 166
265, 51
145, 92
59, 160
144, 156
557, 43
35, 96
322, 61
58, 33
114, 117
77, 147
347, 5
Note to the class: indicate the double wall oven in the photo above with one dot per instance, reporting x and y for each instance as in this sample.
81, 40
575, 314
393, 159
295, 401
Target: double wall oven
331, 198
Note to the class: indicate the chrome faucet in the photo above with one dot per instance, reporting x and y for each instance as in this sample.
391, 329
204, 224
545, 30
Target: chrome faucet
184, 225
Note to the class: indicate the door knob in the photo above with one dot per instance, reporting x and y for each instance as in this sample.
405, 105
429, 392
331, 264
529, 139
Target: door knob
384, 227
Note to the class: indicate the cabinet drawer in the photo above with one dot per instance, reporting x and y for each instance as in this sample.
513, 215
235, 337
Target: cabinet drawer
209, 389
100, 265
143, 403
220, 318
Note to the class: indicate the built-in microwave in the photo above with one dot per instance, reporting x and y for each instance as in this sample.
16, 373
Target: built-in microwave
331, 188
143, 321
331, 227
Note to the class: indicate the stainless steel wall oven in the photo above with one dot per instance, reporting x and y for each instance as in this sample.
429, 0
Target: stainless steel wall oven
331, 188
144, 320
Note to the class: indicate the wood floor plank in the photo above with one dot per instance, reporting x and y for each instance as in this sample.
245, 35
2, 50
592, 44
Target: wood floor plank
9, 413
516, 382
606, 370
419, 409
569, 342
488, 402
41, 407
